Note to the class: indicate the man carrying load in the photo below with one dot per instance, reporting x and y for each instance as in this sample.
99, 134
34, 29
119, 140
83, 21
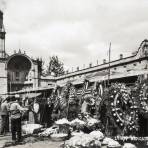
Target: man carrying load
15, 115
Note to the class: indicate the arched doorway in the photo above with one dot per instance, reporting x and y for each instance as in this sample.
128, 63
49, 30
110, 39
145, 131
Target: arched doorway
18, 71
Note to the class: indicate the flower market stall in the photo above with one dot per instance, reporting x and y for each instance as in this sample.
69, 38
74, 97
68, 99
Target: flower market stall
124, 106
94, 115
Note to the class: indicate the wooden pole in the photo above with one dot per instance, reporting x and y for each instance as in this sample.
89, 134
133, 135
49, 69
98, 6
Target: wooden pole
109, 57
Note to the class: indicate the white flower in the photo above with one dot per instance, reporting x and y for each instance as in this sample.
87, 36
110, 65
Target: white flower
129, 145
62, 121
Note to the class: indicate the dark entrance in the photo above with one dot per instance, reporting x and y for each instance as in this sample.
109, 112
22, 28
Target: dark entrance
18, 68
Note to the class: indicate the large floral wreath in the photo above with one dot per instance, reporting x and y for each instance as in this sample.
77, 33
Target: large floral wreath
123, 108
143, 97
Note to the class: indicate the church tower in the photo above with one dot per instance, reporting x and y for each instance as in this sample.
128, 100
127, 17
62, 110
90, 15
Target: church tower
2, 37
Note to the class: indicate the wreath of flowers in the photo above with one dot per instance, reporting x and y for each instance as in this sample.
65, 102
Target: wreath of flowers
73, 98
123, 108
143, 97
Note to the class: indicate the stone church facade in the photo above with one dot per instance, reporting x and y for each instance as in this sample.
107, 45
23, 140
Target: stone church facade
17, 71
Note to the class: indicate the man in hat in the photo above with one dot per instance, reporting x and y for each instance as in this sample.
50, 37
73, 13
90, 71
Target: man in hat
4, 117
15, 116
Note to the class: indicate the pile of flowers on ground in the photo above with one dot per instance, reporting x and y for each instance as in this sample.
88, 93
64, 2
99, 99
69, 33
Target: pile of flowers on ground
30, 128
91, 140
49, 131
78, 138
129, 145
83, 140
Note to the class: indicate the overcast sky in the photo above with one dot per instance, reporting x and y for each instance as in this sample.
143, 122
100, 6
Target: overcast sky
78, 31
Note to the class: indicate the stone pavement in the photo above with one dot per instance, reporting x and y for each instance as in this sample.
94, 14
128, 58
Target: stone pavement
30, 142
39, 144
4, 139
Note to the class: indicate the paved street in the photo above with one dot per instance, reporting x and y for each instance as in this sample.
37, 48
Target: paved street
31, 142
4, 139
39, 144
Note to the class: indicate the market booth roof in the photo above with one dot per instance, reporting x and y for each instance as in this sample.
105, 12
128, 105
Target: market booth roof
30, 95
33, 90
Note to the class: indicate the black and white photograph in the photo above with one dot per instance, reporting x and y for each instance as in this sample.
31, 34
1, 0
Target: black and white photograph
73, 73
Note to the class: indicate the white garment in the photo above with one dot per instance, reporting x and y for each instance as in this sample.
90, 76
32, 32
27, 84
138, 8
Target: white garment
36, 107
31, 117
84, 107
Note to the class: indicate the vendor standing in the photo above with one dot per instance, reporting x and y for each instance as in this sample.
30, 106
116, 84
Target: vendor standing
35, 110
4, 117
15, 116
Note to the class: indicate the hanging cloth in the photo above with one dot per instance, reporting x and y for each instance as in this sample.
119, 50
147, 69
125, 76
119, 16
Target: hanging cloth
100, 90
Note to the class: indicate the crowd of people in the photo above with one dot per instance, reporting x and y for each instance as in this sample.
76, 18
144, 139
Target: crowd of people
14, 110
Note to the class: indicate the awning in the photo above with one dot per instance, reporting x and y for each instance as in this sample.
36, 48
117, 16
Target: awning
35, 90
30, 95
78, 81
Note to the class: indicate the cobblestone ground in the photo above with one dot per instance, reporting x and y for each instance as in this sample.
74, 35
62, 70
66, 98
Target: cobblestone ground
3, 140
39, 144
30, 143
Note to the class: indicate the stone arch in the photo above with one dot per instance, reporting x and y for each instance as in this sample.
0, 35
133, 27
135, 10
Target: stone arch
19, 68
